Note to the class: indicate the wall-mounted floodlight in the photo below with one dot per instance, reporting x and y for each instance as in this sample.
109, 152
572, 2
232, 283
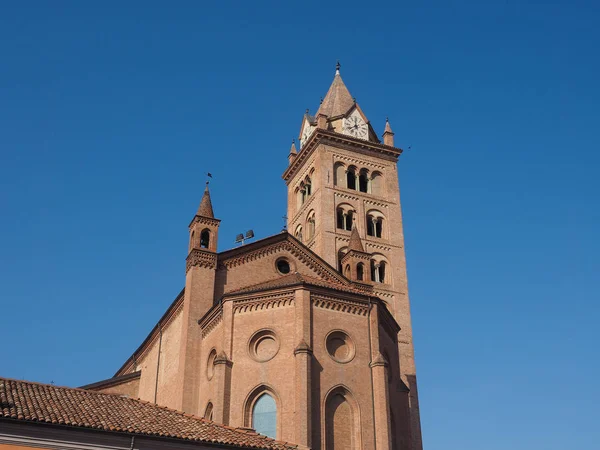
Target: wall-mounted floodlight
241, 239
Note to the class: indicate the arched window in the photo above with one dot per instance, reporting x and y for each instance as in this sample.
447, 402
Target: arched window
351, 178
382, 267
264, 416
339, 174
363, 181
205, 238
307, 187
208, 413
375, 224
374, 273
344, 217
310, 226
192, 240
378, 269
360, 271
299, 198
347, 271
376, 184
298, 233
341, 220
342, 429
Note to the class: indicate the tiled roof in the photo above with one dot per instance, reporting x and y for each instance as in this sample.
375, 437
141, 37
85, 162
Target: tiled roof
205, 209
35, 402
338, 99
294, 279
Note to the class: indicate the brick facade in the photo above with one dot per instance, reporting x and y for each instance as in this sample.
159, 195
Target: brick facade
334, 349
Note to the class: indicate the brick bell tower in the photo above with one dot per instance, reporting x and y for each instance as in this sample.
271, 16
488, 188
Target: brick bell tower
344, 204
201, 265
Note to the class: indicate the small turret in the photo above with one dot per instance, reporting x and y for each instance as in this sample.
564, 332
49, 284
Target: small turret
204, 227
388, 134
356, 263
293, 152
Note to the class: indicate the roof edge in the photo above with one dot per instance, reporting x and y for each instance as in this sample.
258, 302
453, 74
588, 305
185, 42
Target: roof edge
170, 310
112, 381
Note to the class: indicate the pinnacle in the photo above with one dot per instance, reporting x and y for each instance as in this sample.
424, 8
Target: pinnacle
355, 241
293, 149
388, 128
205, 209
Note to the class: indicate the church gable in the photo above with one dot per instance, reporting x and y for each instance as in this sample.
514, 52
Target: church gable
277, 261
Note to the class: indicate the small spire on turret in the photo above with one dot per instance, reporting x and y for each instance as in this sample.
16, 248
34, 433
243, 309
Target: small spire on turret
388, 134
337, 67
205, 209
293, 152
355, 241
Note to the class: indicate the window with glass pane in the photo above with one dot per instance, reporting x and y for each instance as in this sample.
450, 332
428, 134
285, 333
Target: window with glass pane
264, 416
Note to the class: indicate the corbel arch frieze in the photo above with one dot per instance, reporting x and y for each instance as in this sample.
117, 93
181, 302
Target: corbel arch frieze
377, 204
263, 303
360, 163
339, 304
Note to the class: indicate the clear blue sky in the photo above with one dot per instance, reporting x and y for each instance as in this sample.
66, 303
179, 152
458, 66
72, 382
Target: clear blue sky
110, 113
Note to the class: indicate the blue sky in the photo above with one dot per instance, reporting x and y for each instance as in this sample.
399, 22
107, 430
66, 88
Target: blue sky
111, 112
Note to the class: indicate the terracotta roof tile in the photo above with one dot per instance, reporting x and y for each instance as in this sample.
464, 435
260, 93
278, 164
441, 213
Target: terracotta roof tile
35, 402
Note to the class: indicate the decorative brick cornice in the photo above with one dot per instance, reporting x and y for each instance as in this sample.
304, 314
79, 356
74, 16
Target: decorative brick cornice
209, 322
200, 258
381, 204
359, 162
321, 136
370, 244
377, 291
339, 304
262, 303
205, 221
346, 196
355, 254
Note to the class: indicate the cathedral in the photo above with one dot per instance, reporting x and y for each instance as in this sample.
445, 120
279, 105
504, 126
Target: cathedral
304, 336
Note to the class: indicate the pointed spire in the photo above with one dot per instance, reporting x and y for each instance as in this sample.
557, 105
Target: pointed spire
338, 100
388, 134
388, 128
205, 209
293, 150
355, 241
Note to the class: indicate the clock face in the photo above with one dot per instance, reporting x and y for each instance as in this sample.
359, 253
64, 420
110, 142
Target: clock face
356, 126
305, 134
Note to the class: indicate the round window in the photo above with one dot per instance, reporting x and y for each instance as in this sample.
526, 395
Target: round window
340, 347
283, 266
263, 345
